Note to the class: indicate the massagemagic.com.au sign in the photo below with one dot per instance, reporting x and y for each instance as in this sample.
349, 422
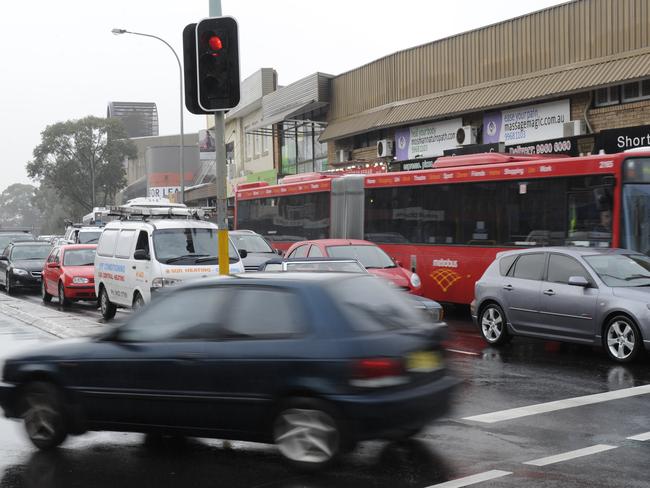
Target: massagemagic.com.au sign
526, 124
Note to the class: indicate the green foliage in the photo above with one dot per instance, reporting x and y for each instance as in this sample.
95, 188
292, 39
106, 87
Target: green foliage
82, 160
17, 207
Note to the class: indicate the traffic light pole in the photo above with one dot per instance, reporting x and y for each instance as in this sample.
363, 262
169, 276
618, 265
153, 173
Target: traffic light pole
222, 189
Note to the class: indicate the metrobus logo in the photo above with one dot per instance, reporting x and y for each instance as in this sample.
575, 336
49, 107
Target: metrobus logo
445, 263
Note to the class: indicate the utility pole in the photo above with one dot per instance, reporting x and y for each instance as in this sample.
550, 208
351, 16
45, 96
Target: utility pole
222, 189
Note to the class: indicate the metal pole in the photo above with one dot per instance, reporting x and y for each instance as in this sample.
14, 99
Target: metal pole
222, 189
181, 162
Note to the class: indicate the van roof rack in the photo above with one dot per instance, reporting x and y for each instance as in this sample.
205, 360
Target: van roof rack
147, 213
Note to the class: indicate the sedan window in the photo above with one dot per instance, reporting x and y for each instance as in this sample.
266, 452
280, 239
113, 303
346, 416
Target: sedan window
530, 266
561, 268
183, 315
263, 313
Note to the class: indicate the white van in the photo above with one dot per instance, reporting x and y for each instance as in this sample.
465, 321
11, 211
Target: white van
136, 257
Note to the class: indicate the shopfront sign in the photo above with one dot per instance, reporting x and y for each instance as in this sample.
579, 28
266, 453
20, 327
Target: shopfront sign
163, 191
565, 145
475, 149
527, 124
619, 140
428, 140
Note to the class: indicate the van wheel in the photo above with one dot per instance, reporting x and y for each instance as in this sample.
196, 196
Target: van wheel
44, 416
138, 301
63, 301
108, 308
307, 433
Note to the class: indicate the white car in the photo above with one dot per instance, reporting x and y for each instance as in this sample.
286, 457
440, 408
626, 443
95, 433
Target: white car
136, 257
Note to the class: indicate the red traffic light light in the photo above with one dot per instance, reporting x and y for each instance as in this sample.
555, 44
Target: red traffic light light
215, 43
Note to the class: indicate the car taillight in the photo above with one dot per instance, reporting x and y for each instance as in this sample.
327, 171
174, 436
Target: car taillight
378, 372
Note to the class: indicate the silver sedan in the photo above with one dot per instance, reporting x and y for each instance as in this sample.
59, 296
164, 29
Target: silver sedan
583, 295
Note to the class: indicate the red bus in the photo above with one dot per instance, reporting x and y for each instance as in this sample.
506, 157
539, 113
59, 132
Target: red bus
448, 223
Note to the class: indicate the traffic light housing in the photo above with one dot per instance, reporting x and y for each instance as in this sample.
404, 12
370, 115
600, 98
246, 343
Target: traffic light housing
211, 57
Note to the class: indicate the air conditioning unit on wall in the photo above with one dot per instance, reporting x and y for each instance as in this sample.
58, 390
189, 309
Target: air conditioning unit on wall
466, 135
384, 148
575, 128
344, 155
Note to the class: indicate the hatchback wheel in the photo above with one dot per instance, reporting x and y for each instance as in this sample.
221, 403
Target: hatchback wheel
492, 321
63, 301
47, 298
44, 415
108, 309
622, 339
8, 287
307, 434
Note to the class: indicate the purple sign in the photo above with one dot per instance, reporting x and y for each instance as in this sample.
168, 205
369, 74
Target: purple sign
492, 127
402, 142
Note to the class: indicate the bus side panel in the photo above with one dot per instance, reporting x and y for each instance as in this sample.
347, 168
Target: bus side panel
448, 273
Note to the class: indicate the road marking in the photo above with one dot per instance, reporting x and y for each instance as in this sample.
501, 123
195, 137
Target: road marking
558, 458
471, 480
515, 413
641, 437
458, 351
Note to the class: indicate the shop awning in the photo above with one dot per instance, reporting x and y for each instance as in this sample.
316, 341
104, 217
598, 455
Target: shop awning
544, 84
290, 113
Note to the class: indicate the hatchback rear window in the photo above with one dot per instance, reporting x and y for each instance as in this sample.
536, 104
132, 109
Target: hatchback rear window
373, 306
505, 264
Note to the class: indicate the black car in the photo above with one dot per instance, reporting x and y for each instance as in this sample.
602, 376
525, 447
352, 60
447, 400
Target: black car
21, 264
258, 250
313, 362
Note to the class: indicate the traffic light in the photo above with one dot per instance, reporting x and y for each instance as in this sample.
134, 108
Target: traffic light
214, 85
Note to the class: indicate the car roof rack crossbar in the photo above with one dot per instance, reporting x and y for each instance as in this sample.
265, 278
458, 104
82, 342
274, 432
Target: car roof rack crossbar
146, 213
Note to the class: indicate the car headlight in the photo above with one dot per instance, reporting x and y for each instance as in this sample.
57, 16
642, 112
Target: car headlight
162, 282
415, 281
80, 279
436, 314
20, 272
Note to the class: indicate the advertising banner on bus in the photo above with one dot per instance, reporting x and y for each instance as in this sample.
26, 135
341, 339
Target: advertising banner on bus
428, 140
527, 124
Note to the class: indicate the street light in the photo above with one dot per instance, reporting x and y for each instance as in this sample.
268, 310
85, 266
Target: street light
180, 69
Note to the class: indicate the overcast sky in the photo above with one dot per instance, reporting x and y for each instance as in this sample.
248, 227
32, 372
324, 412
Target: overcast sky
61, 62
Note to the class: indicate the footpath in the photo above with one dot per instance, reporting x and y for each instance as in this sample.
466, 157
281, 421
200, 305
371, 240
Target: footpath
59, 324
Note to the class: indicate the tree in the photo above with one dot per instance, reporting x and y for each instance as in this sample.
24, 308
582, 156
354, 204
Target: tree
55, 210
17, 207
83, 160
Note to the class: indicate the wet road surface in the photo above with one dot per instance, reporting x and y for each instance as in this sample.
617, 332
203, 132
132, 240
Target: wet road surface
585, 441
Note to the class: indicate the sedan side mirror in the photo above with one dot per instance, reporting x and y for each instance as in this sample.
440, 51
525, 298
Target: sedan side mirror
141, 255
243, 253
578, 281
53, 265
4, 258
279, 252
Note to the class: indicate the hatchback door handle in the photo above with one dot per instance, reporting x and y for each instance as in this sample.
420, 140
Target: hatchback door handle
508, 287
549, 292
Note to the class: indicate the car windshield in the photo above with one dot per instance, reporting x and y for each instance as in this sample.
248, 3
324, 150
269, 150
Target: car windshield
335, 266
373, 306
89, 237
79, 257
30, 252
369, 256
189, 246
251, 243
621, 270
6, 239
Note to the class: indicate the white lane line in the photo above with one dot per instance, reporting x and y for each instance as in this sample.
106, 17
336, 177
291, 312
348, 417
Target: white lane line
641, 437
558, 458
515, 413
469, 353
471, 480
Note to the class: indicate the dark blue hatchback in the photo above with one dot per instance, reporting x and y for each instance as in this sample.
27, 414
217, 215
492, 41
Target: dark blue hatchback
311, 362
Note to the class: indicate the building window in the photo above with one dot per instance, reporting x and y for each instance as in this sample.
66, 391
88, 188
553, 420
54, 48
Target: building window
639, 90
249, 147
607, 96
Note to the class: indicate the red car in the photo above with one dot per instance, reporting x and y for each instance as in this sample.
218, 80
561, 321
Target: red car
373, 258
69, 274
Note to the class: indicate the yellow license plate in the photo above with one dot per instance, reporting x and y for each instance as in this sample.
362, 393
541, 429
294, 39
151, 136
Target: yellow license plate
423, 362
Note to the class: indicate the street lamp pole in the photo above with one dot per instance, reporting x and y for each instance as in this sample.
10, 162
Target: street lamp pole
180, 70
